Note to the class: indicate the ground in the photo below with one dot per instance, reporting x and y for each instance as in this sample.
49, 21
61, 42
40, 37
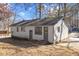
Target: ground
18, 47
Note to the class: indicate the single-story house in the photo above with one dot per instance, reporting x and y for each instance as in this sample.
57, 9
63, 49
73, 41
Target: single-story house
46, 29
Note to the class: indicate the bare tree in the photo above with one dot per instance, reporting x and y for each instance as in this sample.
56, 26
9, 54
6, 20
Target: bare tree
40, 8
5, 14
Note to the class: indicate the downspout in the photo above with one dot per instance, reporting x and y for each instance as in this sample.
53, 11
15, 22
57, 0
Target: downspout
54, 42
53, 36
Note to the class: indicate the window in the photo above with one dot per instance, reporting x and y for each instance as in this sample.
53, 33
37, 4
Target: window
22, 28
17, 29
46, 29
38, 30
58, 29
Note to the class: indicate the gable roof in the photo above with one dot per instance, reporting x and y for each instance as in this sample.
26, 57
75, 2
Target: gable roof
30, 21
23, 22
52, 22
45, 21
19, 23
37, 22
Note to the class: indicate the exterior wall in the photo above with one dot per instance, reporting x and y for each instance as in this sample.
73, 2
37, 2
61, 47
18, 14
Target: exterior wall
50, 34
63, 31
26, 33
14, 31
4, 26
35, 37
40, 37
27, 28
1, 26
21, 33
53, 33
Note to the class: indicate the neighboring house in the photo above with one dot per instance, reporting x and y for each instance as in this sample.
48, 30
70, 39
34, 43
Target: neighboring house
50, 30
3, 29
1, 26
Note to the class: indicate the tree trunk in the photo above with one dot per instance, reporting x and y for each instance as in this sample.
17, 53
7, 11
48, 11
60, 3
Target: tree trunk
59, 9
64, 11
39, 10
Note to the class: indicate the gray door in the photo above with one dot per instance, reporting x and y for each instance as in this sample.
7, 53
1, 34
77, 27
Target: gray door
46, 33
30, 34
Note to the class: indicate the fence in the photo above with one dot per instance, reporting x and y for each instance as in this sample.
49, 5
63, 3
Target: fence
4, 34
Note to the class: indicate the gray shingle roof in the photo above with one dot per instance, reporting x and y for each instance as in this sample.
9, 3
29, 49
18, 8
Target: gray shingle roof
23, 22
46, 21
19, 23
52, 22
30, 21
37, 22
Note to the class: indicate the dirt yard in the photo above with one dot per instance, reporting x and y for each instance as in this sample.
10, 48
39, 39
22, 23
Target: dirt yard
10, 47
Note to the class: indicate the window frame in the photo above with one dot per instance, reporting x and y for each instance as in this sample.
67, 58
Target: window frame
22, 28
58, 29
38, 30
17, 29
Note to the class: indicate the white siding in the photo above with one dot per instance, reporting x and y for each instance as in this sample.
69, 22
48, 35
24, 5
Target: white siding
50, 34
26, 33
27, 28
58, 35
52, 30
38, 37
1, 25
35, 37
21, 33
65, 31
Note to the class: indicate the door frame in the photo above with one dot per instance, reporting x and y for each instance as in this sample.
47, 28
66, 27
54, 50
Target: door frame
45, 33
30, 34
